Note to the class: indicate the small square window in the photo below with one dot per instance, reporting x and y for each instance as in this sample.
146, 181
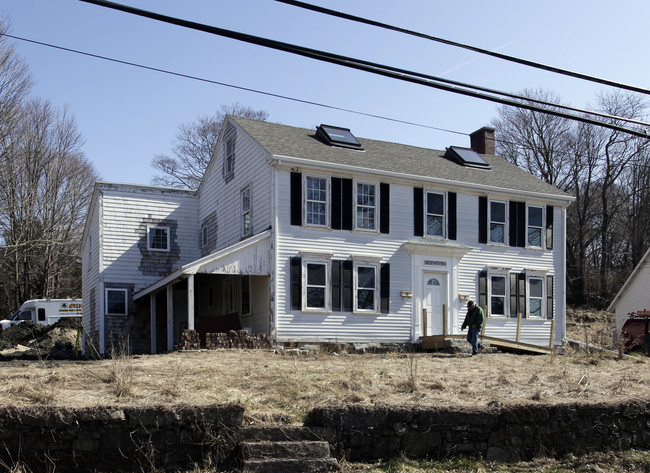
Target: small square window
116, 303
158, 238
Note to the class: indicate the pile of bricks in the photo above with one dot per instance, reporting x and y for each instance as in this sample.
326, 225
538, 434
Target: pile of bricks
189, 340
236, 339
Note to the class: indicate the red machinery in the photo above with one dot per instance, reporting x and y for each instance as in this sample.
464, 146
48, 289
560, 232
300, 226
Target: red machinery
636, 331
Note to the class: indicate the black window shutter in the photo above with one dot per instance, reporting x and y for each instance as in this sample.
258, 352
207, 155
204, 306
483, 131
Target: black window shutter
296, 283
517, 221
384, 208
296, 198
347, 204
384, 292
418, 211
337, 285
335, 203
549, 227
482, 289
482, 219
514, 287
521, 295
347, 285
521, 224
512, 227
451, 215
549, 298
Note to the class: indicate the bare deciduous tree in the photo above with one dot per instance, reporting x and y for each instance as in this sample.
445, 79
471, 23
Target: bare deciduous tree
193, 148
45, 188
603, 169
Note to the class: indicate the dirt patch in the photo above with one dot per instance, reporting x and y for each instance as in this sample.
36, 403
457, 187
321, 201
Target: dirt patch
27, 340
592, 327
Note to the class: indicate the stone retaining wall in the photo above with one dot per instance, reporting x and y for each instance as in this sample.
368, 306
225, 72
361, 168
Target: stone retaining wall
161, 438
116, 439
500, 433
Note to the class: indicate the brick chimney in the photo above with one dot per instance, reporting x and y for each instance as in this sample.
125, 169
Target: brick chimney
482, 141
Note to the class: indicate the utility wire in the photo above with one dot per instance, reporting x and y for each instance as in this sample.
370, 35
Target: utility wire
238, 87
353, 63
517, 60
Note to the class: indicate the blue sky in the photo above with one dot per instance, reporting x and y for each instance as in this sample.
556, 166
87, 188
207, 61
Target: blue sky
129, 115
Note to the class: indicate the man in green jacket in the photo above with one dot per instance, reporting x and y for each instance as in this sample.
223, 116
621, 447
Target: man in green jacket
473, 320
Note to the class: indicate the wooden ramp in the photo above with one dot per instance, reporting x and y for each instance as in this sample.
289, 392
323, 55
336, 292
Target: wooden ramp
438, 342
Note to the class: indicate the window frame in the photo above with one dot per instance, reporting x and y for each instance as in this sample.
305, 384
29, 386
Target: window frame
151, 228
204, 236
542, 298
246, 213
326, 203
357, 264
125, 301
506, 293
327, 287
504, 224
375, 208
427, 213
541, 228
229, 156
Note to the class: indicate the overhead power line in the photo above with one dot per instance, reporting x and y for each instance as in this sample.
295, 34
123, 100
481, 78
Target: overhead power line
233, 86
517, 60
353, 63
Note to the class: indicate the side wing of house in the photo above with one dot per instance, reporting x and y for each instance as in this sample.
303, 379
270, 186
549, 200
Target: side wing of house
143, 234
90, 251
634, 295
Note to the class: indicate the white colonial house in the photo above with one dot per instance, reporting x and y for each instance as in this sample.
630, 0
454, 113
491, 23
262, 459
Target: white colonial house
319, 236
634, 295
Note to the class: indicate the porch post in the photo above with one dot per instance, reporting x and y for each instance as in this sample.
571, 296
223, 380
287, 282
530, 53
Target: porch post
152, 313
190, 302
170, 317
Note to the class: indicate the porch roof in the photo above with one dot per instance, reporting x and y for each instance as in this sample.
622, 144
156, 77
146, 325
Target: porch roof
250, 256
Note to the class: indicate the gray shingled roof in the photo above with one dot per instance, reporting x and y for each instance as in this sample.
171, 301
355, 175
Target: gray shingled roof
296, 142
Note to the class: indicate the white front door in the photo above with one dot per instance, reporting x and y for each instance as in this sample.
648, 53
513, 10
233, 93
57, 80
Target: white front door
434, 297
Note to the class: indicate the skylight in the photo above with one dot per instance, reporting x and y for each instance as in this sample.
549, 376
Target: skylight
337, 136
467, 157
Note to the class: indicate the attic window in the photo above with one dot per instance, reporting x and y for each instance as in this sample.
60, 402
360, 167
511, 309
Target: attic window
467, 157
336, 136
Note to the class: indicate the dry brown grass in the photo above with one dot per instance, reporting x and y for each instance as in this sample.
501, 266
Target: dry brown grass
276, 387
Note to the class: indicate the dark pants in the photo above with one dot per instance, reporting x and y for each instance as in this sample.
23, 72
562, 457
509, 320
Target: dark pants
472, 338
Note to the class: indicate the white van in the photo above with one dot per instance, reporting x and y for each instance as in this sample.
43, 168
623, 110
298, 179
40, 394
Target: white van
43, 311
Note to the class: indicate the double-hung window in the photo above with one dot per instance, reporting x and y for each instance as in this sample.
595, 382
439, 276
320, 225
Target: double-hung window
497, 222
158, 238
535, 226
498, 295
316, 205
116, 301
246, 212
317, 285
435, 211
365, 287
535, 297
366, 206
